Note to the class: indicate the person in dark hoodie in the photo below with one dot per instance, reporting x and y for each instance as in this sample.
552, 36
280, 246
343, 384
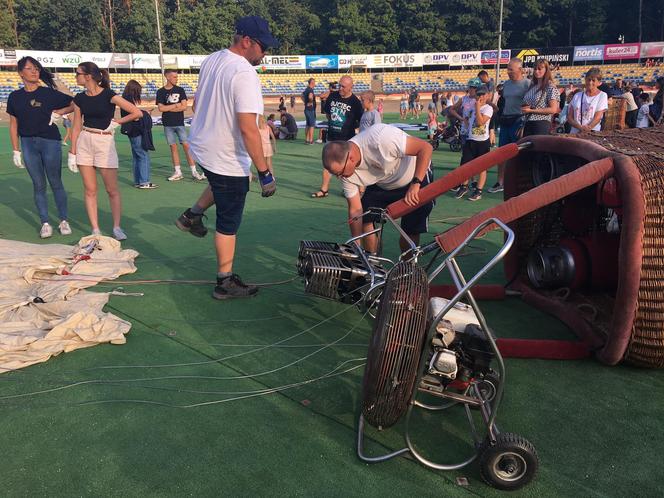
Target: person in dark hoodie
140, 138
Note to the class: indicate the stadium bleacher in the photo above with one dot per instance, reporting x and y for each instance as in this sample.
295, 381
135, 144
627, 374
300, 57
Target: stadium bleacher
393, 82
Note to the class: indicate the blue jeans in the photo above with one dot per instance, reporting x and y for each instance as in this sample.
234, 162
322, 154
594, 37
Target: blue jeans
508, 132
43, 160
140, 160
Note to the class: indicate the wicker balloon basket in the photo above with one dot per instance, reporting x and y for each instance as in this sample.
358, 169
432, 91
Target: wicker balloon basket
613, 230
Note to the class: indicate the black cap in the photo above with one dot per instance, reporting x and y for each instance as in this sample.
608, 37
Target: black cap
257, 28
481, 90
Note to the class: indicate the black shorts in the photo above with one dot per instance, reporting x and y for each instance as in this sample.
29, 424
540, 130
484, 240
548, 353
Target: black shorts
539, 127
413, 223
472, 149
229, 194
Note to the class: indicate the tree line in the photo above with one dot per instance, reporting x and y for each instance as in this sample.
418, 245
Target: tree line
326, 26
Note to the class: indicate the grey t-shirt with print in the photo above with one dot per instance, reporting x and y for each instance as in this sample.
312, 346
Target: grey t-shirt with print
369, 118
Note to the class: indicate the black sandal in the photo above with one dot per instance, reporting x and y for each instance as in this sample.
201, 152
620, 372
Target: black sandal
320, 194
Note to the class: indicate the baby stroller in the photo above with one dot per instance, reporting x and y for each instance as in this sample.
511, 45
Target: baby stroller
450, 134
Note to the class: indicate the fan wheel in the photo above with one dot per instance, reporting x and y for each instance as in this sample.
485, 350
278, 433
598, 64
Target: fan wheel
395, 348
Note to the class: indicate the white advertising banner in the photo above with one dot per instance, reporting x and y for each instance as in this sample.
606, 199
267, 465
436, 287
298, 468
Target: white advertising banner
283, 62
145, 61
66, 59
189, 61
7, 57
437, 58
465, 58
395, 60
346, 61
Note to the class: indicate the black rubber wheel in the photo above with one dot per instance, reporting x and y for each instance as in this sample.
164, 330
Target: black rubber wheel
455, 146
508, 464
396, 345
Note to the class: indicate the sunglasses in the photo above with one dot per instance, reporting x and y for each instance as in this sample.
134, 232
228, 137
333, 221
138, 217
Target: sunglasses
262, 46
341, 173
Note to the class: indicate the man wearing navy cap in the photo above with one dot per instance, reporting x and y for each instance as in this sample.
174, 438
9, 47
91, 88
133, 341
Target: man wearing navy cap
224, 140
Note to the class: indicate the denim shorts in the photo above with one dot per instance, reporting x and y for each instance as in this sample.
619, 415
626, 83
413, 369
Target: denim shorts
310, 116
175, 134
229, 194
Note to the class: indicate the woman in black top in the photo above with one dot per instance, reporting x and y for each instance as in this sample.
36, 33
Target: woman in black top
134, 131
32, 110
92, 142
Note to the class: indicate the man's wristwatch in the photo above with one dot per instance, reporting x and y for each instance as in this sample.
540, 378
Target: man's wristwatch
416, 181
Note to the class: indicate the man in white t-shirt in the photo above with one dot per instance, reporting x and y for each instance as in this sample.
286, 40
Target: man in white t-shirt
224, 140
386, 164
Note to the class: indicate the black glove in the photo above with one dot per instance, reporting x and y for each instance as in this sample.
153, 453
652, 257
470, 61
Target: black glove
268, 183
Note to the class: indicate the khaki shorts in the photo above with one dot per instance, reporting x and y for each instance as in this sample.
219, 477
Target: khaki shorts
96, 150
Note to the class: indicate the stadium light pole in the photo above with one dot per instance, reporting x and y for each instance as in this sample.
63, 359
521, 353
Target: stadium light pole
500, 40
161, 50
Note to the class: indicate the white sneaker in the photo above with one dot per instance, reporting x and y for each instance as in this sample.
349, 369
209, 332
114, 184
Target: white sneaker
175, 177
319, 141
119, 234
197, 176
96, 231
64, 228
46, 231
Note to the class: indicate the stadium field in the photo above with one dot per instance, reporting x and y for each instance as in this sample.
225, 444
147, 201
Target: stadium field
260, 397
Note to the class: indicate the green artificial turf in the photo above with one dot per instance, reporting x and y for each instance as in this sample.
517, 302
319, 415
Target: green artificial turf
184, 407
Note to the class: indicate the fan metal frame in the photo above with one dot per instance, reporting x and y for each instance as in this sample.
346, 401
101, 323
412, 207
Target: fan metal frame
404, 393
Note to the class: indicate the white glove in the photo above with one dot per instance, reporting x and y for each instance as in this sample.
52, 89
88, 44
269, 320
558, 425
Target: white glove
111, 127
18, 160
55, 118
71, 163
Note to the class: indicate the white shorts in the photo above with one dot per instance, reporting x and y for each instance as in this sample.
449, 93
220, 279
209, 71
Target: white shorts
96, 150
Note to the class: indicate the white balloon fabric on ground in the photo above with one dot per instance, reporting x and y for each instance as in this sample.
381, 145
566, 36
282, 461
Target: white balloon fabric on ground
44, 310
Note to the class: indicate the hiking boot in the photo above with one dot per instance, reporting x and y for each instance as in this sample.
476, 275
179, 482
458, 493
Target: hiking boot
192, 223
497, 187
232, 286
461, 191
476, 196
